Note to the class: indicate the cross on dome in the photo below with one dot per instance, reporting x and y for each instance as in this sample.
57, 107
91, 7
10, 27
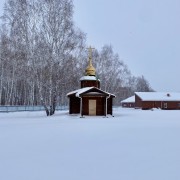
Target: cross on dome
90, 70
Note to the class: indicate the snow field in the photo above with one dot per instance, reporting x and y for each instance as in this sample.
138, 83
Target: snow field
133, 145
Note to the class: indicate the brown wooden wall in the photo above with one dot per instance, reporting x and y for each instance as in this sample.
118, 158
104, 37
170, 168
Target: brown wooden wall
100, 105
74, 105
160, 104
138, 102
156, 104
86, 83
171, 105
151, 104
128, 105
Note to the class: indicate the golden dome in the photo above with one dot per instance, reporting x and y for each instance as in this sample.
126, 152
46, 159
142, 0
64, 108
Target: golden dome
90, 70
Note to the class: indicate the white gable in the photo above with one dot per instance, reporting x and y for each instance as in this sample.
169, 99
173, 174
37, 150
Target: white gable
158, 96
82, 90
129, 100
79, 91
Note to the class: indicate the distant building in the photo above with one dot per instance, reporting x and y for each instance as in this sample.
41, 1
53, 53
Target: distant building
129, 102
149, 100
90, 99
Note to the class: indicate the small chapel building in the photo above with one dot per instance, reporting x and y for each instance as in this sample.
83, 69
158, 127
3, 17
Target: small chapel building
90, 99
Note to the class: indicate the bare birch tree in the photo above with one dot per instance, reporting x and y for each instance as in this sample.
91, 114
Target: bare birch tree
43, 55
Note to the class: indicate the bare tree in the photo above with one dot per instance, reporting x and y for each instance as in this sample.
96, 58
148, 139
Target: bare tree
142, 85
43, 43
112, 71
61, 39
43, 55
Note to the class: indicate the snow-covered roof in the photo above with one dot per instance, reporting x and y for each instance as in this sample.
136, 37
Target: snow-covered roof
78, 92
158, 96
129, 100
89, 78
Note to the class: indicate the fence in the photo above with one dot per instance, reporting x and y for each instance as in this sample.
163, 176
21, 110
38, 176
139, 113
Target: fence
27, 108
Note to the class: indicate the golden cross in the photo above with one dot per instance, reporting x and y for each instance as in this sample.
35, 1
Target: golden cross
90, 54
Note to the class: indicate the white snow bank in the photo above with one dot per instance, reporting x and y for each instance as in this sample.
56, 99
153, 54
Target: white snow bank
134, 145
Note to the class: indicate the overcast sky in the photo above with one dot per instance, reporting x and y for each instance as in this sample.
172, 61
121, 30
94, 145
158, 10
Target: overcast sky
145, 34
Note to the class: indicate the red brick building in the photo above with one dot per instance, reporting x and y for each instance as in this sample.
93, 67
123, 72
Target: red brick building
149, 100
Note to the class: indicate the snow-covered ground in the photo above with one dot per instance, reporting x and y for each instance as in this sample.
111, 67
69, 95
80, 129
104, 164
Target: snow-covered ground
133, 145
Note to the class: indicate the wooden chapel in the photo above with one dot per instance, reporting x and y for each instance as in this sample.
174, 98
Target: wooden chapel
90, 99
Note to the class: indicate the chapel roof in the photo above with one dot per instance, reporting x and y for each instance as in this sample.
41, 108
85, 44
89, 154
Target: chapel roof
89, 90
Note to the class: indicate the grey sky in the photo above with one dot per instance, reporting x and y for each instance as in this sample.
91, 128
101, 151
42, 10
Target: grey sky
145, 34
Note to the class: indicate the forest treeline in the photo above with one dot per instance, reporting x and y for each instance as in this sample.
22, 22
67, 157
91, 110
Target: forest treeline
43, 55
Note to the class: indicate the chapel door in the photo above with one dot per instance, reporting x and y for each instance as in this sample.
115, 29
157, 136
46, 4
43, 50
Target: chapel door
92, 107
